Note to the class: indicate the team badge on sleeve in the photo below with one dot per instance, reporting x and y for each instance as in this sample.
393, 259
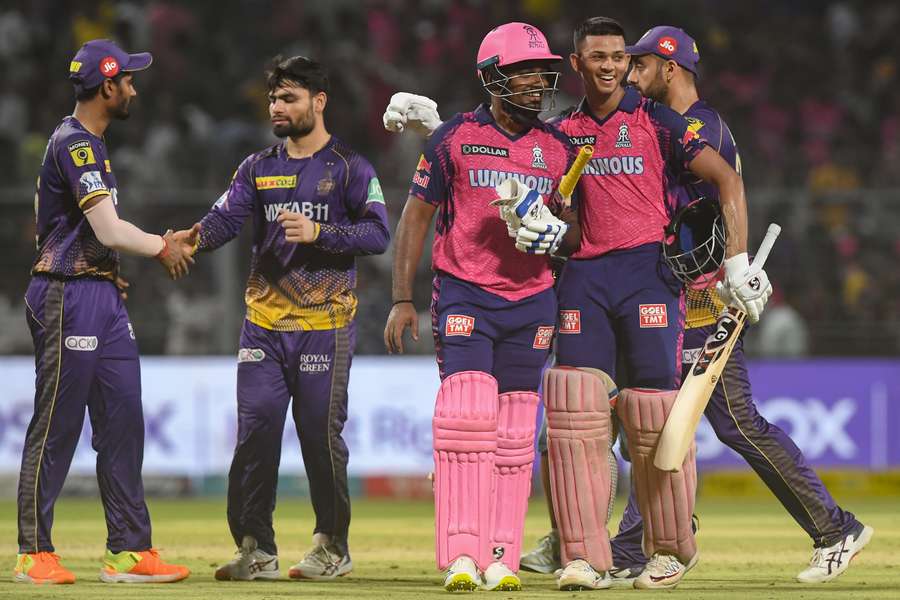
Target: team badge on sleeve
90, 182
82, 154
375, 194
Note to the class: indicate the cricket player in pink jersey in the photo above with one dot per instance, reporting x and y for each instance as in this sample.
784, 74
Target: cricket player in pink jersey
493, 306
618, 297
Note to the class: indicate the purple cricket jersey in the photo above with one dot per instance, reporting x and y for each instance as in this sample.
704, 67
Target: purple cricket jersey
299, 287
74, 170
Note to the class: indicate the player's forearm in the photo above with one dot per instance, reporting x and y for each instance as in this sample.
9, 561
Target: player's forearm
121, 235
734, 212
572, 238
369, 235
710, 166
410, 240
217, 229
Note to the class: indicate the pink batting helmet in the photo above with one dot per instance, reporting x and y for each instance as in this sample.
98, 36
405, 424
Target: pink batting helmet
512, 43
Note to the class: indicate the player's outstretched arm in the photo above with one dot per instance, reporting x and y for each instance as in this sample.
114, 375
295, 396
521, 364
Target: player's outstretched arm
410, 239
410, 111
123, 236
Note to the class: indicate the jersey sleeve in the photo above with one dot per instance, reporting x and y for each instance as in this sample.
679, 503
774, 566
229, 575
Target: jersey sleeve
678, 143
82, 165
368, 231
433, 177
226, 218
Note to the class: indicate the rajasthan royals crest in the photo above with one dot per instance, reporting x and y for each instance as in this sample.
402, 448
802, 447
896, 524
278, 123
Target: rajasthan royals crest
623, 141
537, 161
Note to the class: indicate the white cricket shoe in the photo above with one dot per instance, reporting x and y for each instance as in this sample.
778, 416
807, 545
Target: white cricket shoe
663, 571
249, 563
321, 563
462, 576
624, 577
580, 575
828, 563
545, 558
500, 578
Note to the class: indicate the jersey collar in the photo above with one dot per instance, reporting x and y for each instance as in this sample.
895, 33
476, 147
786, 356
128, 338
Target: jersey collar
629, 103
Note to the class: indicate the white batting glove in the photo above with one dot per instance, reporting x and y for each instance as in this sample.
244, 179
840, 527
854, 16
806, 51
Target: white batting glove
409, 111
746, 286
519, 205
541, 237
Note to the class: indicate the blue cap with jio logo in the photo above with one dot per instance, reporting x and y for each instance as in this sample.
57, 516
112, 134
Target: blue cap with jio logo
668, 43
97, 60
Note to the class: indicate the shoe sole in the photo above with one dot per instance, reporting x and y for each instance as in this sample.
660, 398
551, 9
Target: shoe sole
864, 538
129, 578
576, 586
640, 585
507, 584
268, 575
23, 578
461, 582
297, 574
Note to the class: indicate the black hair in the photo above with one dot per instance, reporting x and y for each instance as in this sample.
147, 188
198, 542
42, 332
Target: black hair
299, 70
83, 95
597, 26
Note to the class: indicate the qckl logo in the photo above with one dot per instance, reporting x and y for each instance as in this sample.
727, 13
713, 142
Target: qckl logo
570, 321
81, 343
543, 337
459, 325
653, 315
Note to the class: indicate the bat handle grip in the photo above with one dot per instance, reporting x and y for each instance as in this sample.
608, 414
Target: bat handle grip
766, 246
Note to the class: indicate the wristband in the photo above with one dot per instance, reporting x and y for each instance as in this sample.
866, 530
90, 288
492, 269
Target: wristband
396, 302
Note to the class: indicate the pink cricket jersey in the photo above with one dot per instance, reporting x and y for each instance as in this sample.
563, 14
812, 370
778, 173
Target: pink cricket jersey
465, 158
627, 190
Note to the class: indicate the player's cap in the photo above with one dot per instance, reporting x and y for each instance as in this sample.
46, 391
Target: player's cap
97, 60
513, 43
669, 43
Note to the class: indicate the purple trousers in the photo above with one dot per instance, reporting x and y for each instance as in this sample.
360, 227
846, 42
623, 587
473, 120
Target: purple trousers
308, 371
85, 356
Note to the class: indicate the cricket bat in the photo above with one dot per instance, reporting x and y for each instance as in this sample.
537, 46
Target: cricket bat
678, 432
570, 179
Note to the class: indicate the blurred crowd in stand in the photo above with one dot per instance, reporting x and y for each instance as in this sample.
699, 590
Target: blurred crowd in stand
810, 88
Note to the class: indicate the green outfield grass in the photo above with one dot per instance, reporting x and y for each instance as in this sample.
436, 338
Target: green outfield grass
749, 550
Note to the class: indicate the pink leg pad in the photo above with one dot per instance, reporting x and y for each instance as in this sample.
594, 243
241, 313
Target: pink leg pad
464, 431
512, 474
578, 440
666, 500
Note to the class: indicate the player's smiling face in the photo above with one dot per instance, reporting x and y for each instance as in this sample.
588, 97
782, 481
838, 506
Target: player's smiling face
292, 110
528, 83
601, 61
647, 76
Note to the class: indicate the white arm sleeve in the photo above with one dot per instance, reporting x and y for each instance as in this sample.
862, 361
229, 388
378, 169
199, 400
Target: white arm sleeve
121, 235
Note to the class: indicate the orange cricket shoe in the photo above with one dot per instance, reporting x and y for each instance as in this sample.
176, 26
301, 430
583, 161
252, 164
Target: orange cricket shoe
41, 567
139, 567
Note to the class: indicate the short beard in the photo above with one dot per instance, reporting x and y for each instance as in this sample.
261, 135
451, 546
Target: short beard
121, 112
296, 130
658, 90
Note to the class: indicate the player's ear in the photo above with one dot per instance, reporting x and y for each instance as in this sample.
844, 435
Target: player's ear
106, 88
574, 62
319, 101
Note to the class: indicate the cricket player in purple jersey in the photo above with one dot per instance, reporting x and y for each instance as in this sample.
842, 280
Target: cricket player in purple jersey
316, 205
493, 306
664, 67
84, 345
